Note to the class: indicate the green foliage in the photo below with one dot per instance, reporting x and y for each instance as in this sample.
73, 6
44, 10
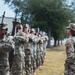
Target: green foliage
45, 14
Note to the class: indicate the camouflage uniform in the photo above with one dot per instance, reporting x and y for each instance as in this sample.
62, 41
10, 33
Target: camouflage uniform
70, 51
11, 53
17, 68
36, 51
44, 46
28, 55
38, 56
44, 49
33, 54
39, 52
70, 58
5, 48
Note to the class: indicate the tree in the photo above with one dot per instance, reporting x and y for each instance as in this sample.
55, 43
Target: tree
51, 16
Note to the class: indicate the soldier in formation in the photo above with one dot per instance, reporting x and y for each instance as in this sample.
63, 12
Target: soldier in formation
70, 51
5, 48
28, 47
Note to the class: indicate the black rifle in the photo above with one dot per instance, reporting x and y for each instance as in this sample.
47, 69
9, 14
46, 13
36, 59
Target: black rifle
11, 53
14, 24
1, 25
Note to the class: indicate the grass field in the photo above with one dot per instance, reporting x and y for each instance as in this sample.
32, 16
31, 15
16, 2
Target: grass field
54, 62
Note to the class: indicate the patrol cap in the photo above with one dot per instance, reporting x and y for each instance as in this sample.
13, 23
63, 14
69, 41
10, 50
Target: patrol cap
33, 29
3, 26
71, 26
17, 21
26, 25
40, 32
44, 33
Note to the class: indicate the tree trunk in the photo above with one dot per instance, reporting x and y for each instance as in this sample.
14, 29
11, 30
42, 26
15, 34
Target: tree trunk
49, 36
58, 42
55, 42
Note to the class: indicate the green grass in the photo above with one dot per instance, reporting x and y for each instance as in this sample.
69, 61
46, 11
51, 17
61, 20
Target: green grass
54, 62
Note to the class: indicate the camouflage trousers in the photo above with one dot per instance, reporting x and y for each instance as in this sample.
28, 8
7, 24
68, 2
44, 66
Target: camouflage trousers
41, 53
4, 71
41, 57
69, 69
33, 62
69, 72
11, 55
23, 59
38, 60
44, 50
17, 67
28, 63
34, 58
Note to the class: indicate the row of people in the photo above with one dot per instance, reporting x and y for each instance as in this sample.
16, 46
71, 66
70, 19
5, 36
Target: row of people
28, 51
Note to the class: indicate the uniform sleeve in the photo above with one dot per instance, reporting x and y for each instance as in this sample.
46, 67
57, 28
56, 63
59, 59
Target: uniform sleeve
69, 51
6, 47
31, 38
19, 39
40, 40
46, 37
35, 39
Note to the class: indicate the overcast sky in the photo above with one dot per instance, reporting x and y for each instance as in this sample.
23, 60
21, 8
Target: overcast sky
4, 7
9, 12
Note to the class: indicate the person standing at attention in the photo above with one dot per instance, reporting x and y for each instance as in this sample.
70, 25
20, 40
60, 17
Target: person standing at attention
70, 51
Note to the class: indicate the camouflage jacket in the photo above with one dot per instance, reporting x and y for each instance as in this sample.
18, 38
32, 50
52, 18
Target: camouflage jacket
5, 48
70, 50
28, 45
20, 39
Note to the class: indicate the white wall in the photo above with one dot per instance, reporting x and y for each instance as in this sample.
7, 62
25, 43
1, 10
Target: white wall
8, 21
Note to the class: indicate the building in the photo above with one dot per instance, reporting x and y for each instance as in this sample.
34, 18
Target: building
9, 22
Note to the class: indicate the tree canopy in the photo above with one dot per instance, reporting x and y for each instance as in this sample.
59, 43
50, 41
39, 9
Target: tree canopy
51, 16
